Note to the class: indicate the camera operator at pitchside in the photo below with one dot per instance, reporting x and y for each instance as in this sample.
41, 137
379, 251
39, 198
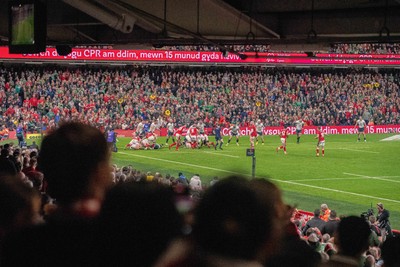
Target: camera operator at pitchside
383, 221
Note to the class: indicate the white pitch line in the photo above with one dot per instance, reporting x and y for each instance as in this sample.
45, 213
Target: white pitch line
328, 179
356, 150
338, 191
371, 177
182, 152
182, 163
218, 154
346, 178
283, 181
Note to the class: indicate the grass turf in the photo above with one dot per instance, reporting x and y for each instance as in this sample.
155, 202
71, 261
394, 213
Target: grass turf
350, 178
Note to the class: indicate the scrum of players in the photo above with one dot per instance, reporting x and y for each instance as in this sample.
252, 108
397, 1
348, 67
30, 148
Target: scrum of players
194, 136
143, 141
145, 136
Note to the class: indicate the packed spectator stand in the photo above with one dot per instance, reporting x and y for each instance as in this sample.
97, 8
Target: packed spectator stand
100, 96
43, 96
367, 48
340, 48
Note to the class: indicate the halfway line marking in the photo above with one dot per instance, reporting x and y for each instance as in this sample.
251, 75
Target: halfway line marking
371, 177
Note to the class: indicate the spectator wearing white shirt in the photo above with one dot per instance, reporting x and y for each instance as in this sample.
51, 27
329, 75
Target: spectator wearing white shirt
195, 183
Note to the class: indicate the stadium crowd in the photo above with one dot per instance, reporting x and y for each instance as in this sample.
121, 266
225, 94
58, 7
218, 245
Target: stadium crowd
75, 209
236, 48
35, 96
367, 48
340, 48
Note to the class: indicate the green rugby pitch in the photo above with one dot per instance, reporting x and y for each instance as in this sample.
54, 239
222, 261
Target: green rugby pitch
350, 178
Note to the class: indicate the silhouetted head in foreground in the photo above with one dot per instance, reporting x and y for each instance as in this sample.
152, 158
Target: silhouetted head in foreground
74, 159
136, 224
234, 220
352, 236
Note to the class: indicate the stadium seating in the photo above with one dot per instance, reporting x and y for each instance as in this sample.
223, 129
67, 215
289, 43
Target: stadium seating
123, 96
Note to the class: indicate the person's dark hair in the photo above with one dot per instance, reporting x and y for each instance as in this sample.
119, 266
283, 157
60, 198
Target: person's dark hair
136, 223
296, 252
333, 214
5, 153
16, 152
390, 251
353, 234
317, 212
33, 154
231, 219
68, 156
7, 167
15, 197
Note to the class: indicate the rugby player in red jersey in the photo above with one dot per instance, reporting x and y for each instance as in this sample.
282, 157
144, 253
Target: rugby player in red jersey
181, 131
192, 136
253, 134
149, 141
284, 135
321, 141
135, 143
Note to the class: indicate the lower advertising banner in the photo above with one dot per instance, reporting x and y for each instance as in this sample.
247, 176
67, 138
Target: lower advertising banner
372, 129
33, 136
